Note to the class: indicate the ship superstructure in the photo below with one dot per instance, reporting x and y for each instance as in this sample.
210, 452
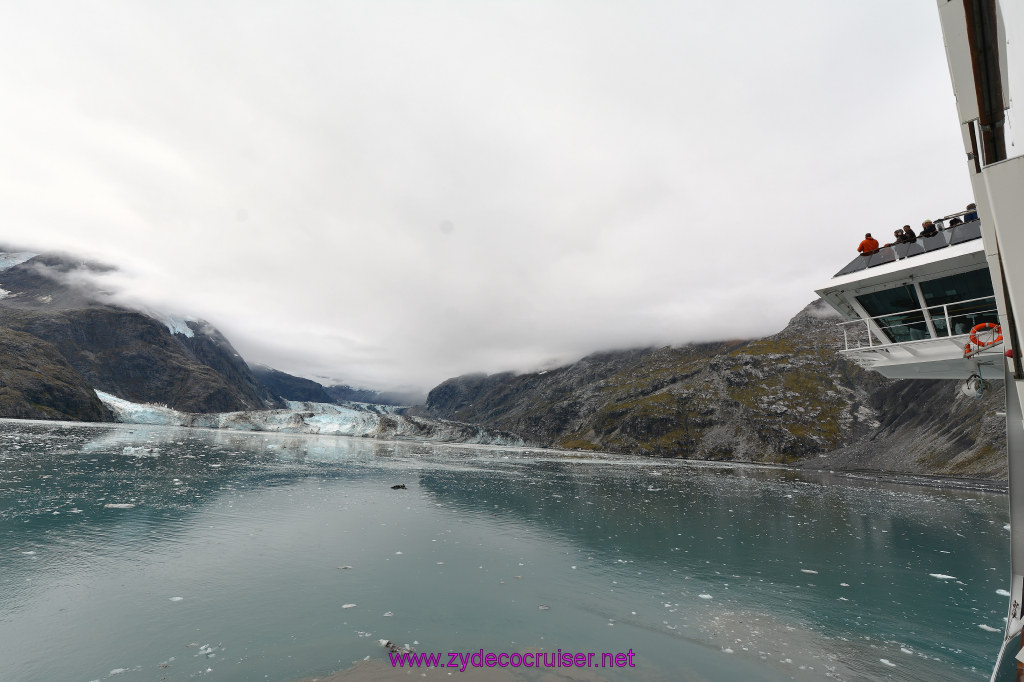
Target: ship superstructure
950, 306
912, 308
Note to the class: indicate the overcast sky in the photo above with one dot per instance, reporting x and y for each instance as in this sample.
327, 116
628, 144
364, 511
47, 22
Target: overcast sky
392, 193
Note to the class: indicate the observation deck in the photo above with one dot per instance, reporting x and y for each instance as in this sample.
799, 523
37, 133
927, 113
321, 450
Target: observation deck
910, 309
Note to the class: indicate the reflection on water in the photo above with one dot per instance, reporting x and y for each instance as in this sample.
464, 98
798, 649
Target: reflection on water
144, 553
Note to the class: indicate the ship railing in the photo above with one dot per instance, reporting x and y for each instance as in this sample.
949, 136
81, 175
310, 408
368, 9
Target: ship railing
948, 235
949, 320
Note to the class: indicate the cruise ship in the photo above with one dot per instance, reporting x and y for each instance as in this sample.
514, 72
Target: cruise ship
949, 306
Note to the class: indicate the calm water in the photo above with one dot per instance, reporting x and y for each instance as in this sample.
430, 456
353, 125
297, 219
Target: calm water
226, 567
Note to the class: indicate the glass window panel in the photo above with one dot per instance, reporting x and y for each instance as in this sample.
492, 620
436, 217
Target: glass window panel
885, 255
904, 327
939, 241
858, 263
907, 324
961, 287
966, 232
898, 300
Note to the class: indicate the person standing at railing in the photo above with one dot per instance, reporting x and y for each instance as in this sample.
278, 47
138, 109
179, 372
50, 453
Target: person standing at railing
973, 215
898, 234
868, 246
928, 229
909, 236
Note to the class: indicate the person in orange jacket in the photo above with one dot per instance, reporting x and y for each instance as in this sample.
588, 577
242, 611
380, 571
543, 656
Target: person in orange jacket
868, 246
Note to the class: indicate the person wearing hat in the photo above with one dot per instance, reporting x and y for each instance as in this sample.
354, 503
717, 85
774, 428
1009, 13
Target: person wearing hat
928, 229
868, 246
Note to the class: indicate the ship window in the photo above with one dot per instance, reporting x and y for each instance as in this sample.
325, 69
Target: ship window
962, 287
945, 296
898, 300
898, 313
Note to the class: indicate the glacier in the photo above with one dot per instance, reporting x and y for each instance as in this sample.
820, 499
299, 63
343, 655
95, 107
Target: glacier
361, 420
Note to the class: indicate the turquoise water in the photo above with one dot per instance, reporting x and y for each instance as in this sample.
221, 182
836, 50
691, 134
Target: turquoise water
142, 553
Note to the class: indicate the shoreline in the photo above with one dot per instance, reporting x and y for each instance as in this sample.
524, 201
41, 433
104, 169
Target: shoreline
925, 480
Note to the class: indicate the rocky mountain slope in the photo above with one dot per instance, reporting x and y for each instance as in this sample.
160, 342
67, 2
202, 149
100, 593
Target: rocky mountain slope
188, 365
787, 398
290, 387
36, 382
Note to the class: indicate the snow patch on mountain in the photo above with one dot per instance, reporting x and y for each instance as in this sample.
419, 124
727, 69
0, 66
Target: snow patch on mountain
174, 323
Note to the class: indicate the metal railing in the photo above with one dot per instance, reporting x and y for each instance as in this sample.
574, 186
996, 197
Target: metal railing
934, 322
947, 235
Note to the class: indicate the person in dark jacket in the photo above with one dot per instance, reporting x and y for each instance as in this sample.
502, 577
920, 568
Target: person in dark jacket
909, 236
928, 229
973, 215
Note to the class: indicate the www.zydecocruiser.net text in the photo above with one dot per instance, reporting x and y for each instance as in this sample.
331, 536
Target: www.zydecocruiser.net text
539, 659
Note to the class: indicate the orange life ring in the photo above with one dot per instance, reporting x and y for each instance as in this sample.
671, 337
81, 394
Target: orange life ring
983, 326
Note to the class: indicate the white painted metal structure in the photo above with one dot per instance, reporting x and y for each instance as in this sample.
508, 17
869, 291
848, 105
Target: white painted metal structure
922, 341
979, 56
933, 353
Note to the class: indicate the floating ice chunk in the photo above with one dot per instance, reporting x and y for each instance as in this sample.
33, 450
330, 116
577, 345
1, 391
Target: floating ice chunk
29, 553
705, 596
543, 607
118, 671
348, 606
119, 505
1002, 593
1006, 527
140, 451
987, 628
397, 552
388, 614
942, 576
807, 570
844, 584
887, 662
726, 650
176, 598
906, 650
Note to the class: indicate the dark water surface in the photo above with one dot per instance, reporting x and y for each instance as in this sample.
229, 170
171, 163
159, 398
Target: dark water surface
148, 553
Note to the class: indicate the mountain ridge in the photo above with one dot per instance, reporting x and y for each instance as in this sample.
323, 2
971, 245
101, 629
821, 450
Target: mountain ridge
788, 398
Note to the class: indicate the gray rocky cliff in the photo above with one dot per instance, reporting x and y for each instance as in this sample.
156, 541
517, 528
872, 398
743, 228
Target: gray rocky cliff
36, 382
787, 398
